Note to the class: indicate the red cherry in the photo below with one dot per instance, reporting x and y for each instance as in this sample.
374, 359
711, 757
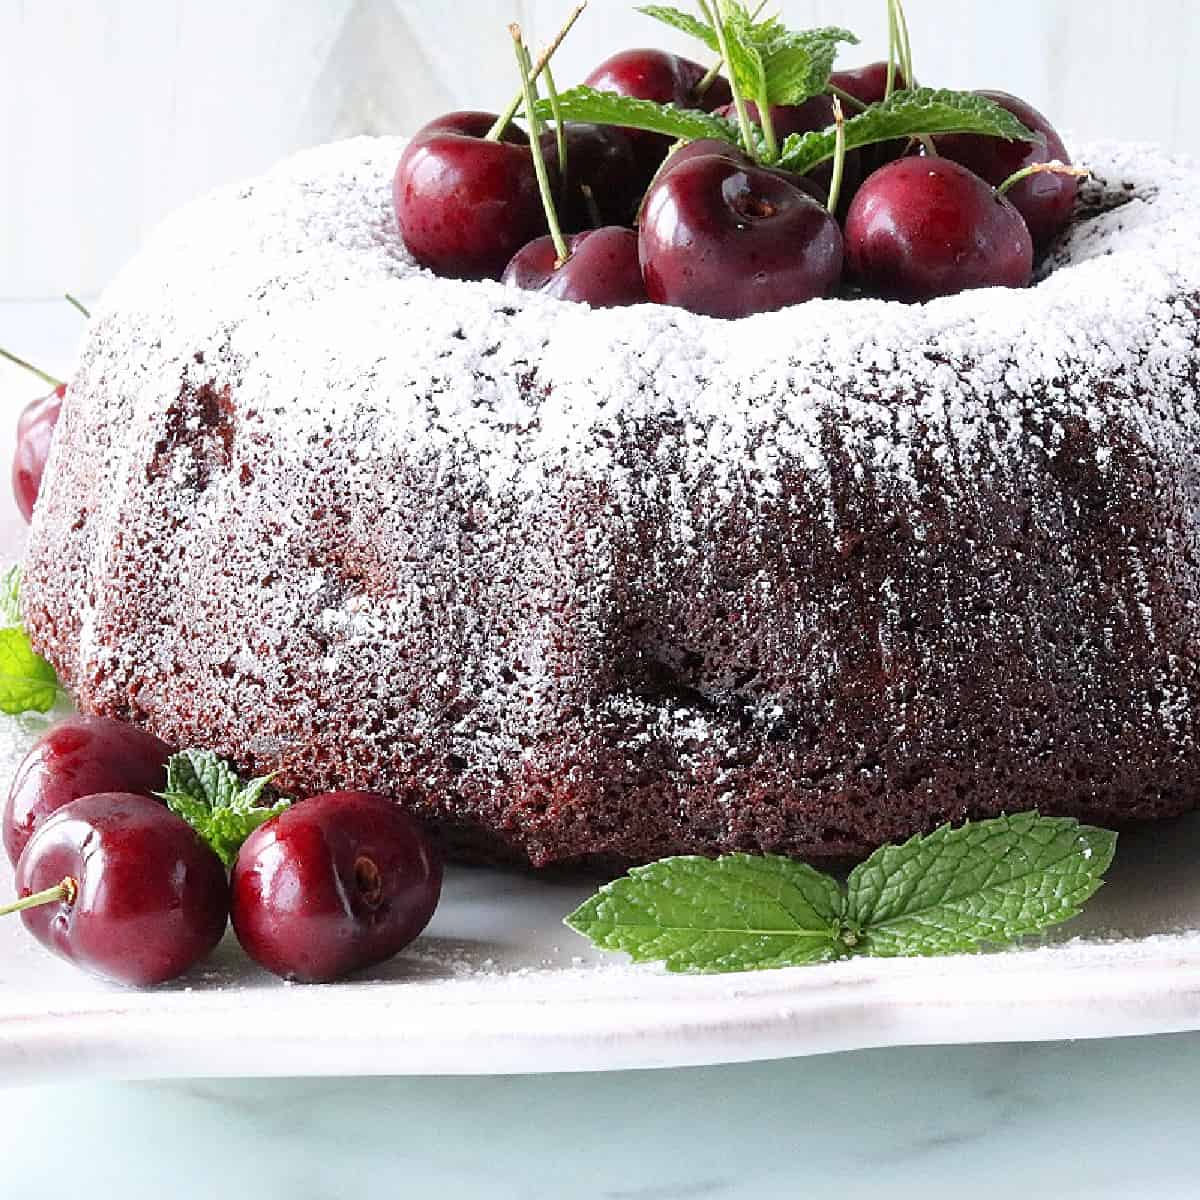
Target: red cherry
79, 757
35, 431
727, 240
148, 898
603, 269
814, 114
926, 227
1046, 201
601, 159
665, 78
466, 205
337, 882
868, 83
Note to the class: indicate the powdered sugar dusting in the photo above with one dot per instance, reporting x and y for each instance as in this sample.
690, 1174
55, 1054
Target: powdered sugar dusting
546, 554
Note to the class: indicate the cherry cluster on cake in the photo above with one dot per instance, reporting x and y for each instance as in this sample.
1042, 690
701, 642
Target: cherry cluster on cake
764, 181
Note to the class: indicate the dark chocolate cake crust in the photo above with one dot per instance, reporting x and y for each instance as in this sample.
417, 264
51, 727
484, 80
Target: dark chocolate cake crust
608, 586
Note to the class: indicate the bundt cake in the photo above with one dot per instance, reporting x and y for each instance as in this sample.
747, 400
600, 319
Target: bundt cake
603, 586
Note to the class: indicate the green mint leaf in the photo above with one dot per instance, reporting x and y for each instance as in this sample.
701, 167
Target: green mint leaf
27, 681
798, 65
909, 113
607, 108
735, 913
684, 22
746, 60
987, 882
10, 597
207, 793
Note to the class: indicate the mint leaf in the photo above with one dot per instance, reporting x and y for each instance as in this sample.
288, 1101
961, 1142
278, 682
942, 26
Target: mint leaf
684, 22
746, 60
608, 108
909, 113
10, 597
27, 681
988, 882
798, 65
207, 793
736, 913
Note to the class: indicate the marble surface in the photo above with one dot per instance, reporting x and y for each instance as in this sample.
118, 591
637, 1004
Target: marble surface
1102, 1120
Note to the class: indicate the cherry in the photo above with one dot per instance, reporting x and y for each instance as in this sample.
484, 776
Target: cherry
600, 158
868, 83
1046, 201
465, 204
123, 888
726, 240
815, 113
35, 432
79, 757
665, 78
926, 227
603, 269
337, 882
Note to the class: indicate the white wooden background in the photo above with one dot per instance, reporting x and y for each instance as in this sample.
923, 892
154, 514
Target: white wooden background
114, 111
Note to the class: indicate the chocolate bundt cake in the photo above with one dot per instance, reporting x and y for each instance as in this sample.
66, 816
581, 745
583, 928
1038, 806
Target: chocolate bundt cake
611, 585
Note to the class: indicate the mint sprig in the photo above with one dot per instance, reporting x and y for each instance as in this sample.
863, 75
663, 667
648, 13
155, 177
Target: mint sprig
913, 112
609, 108
769, 63
28, 682
207, 793
954, 890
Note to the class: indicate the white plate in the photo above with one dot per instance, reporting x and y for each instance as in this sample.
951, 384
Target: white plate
498, 985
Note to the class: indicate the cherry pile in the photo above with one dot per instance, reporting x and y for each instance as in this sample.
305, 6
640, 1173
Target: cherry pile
109, 878
706, 226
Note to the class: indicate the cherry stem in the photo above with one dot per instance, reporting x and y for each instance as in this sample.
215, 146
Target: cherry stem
906, 64
20, 362
505, 119
562, 251
560, 132
848, 101
1045, 168
748, 139
839, 156
67, 890
77, 304
892, 39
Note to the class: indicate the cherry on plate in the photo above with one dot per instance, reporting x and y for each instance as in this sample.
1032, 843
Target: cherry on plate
465, 205
603, 269
1046, 201
78, 757
728, 240
142, 898
35, 432
337, 882
926, 227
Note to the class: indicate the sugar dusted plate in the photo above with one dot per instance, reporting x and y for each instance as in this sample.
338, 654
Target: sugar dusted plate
498, 985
